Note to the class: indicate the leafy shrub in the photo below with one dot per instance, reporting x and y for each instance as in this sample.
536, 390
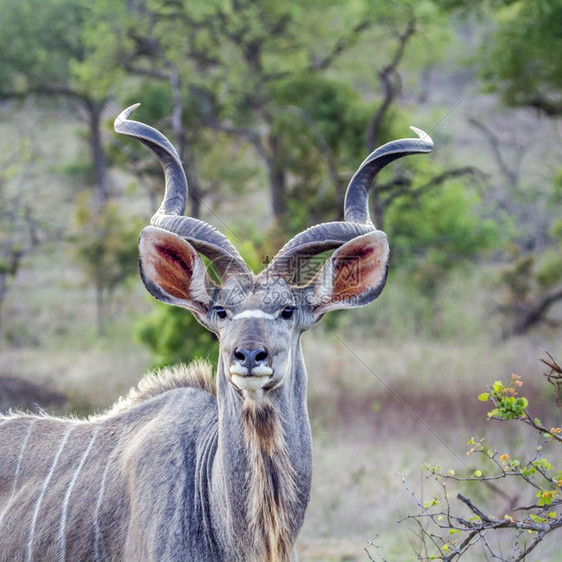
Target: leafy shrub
449, 529
436, 231
106, 248
174, 336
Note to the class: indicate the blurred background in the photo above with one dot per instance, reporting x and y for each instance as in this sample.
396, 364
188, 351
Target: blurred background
272, 106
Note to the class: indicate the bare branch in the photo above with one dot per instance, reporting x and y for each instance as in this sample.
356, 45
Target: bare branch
377, 549
511, 173
390, 83
530, 314
554, 376
474, 509
402, 185
548, 107
454, 534
340, 46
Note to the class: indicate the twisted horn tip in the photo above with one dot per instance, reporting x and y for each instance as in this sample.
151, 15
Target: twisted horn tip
424, 137
124, 115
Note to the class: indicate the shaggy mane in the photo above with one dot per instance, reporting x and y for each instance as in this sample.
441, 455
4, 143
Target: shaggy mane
272, 491
198, 374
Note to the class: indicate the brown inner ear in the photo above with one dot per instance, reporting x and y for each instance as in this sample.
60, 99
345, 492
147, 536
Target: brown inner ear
173, 266
359, 269
168, 264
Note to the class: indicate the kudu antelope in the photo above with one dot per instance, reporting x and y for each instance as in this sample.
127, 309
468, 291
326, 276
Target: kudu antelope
190, 466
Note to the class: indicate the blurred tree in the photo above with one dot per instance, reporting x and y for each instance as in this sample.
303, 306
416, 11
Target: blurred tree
18, 237
530, 287
228, 168
173, 335
221, 61
107, 249
522, 60
519, 59
22, 229
41, 51
275, 76
435, 230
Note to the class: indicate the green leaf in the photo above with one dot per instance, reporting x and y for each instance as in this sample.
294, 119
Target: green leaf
484, 397
498, 386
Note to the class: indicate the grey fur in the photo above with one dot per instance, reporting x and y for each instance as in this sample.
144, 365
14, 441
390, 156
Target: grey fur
153, 485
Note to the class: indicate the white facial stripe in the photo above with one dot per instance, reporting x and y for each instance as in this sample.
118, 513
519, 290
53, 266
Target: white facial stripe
256, 313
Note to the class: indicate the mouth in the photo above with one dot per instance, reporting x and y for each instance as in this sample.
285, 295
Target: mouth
255, 379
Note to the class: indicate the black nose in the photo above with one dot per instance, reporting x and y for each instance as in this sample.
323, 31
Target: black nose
250, 358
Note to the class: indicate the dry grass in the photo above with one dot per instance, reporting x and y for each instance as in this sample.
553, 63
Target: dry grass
410, 386
384, 409
92, 379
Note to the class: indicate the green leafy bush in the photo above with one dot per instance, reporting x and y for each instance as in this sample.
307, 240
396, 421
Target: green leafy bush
437, 231
106, 248
529, 484
174, 336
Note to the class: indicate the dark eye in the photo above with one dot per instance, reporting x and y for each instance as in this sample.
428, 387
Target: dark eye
287, 312
221, 312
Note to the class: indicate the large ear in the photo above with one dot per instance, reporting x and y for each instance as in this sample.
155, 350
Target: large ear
354, 275
172, 271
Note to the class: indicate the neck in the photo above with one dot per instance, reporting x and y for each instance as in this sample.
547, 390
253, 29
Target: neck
264, 465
